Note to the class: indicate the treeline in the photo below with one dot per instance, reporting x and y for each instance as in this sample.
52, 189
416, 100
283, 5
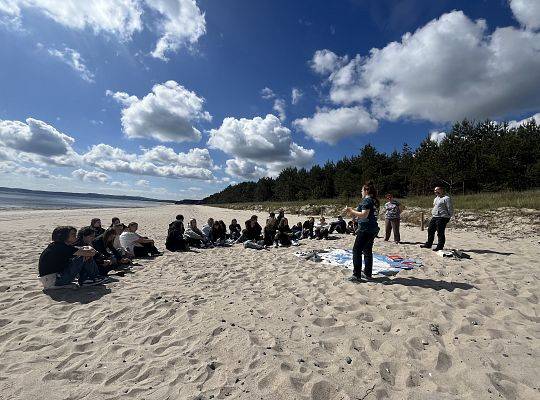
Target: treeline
474, 157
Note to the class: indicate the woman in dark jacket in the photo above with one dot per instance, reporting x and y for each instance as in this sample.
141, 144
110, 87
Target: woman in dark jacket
284, 233
307, 228
104, 244
85, 237
175, 237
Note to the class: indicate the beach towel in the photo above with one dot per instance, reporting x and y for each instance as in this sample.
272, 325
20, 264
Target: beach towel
382, 264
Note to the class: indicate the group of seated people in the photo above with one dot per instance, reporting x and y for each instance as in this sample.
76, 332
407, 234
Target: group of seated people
276, 232
90, 253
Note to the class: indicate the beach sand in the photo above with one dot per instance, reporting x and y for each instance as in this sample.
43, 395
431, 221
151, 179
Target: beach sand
244, 324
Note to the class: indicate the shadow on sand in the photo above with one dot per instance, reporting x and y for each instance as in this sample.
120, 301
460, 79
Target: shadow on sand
82, 295
425, 283
476, 251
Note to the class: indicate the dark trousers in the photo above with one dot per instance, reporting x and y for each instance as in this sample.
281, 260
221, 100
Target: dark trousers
392, 224
363, 245
145, 250
321, 233
339, 227
269, 236
437, 224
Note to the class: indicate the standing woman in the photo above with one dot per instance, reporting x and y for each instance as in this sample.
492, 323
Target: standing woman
366, 212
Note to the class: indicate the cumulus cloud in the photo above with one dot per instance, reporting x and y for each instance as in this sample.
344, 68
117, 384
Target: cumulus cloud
90, 176
515, 124
166, 114
449, 69
326, 61
267, 93
296, 95
142, 183
180, 22
10, 167
437, 137
38, 138
527, 12
74, 60
245, 169
332, 125
261, 141
160, 161
279, 108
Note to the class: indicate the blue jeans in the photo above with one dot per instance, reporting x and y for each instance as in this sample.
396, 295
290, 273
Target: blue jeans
77, 267
363, 245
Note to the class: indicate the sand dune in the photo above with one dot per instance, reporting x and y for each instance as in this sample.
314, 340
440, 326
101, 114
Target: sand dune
244, 324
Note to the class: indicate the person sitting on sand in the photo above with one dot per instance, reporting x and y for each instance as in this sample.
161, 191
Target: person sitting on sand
207, 230
104, 244
440, 216
194, 235
223, 229
321, 229
219, 235
392, 210
85, 237
352, 226
284, 233
119, 229
307, 228
280, 216
297, 231
175, 236
270, 229
252, 231
96, 225
115, 221
340, 226
67, 261
136, 244
235, 230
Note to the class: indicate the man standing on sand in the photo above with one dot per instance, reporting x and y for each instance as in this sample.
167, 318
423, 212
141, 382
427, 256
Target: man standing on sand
440, 215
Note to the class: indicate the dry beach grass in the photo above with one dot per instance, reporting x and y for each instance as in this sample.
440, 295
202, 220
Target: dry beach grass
244, 324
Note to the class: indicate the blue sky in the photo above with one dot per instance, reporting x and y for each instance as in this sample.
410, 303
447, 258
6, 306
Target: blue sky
179, 98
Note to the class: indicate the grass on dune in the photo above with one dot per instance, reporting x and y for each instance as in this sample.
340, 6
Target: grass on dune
480, 201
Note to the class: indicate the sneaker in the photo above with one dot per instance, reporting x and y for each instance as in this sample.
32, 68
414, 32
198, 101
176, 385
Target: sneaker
437, 248
425, 246
354, 279
95, 281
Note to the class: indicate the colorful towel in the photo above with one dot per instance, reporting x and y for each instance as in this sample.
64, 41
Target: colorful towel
382, 265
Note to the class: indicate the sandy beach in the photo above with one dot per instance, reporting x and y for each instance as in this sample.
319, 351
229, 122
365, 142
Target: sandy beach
244, 324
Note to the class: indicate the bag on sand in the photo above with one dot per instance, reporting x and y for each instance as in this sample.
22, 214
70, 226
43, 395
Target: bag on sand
250, 244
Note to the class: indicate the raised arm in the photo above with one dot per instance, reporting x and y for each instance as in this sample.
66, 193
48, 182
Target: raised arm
352, 212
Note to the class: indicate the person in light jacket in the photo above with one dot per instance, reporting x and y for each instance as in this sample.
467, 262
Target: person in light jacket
440, 215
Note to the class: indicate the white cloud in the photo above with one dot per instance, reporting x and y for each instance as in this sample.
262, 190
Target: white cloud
74, 60
332, 125
527, 12
437, 137
180, 22
142, 183
245, 169
161, 162
296, 95
326, 61
267, 93
35, 137
515, 124
166, 114
10, 167
279, 108
447, 70
261, 141
90, 176
183, 24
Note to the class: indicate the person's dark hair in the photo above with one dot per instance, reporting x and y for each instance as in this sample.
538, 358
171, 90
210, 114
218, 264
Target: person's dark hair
284, 221
115, 221
180, 217
370, 189
254, 217
234, 221
93, 221
272, 214
107, 235
86, 231
132, 224
61, 233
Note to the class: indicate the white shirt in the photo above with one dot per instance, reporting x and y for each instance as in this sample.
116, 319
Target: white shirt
442, 207
128, 239
320, 224
206, 229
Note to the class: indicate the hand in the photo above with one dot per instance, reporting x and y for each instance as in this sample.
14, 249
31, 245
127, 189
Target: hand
107, 262
347, 210
125, 260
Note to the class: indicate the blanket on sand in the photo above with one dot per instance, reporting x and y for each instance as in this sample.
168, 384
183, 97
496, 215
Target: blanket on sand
382, 264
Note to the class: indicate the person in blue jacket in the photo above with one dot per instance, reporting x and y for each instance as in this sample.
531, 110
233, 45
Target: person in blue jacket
368, 228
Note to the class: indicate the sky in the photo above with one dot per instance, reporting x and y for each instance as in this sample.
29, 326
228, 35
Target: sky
176, 99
